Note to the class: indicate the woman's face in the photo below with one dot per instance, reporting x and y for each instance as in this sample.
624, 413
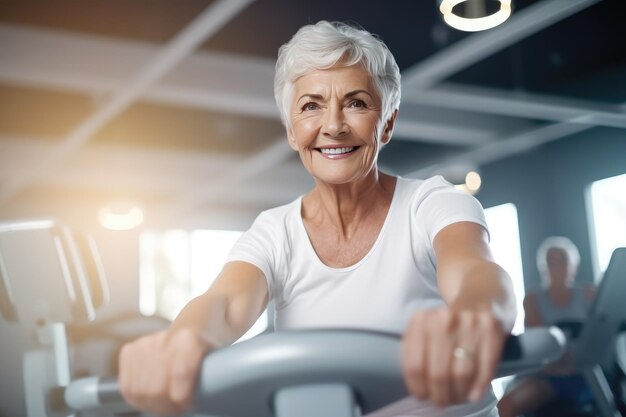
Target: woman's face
559, 267
336, 124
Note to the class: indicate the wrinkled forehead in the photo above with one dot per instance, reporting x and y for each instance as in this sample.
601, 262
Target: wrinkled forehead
338, 79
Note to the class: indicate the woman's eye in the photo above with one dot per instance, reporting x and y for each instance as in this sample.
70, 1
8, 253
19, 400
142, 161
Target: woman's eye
357, 103
309, 107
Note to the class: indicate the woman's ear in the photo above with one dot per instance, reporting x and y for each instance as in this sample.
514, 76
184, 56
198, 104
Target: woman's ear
389, 127
292, 139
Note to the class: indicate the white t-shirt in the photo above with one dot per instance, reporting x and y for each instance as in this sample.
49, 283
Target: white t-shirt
381, 291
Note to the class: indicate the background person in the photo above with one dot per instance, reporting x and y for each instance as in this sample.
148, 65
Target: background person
558, 299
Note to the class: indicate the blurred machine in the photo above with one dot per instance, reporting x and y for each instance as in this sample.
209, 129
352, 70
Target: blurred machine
52, 283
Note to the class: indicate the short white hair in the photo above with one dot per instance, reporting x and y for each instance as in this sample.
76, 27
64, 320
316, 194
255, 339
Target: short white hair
327, 44
557, 242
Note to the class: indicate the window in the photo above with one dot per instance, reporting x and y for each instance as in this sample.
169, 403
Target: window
177, 265
505, 246
607, 204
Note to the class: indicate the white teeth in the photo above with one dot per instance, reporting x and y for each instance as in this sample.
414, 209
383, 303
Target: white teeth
336, 151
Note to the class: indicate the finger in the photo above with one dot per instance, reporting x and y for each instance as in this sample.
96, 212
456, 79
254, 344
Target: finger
184, 371
464, 367
413, 357
142, 385
154, 398
440, 345
488, 355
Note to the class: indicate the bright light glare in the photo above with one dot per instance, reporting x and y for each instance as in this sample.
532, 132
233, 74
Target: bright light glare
117, 217
608, 205
209, 249
474, 24
178, 265
473, 181
505, 247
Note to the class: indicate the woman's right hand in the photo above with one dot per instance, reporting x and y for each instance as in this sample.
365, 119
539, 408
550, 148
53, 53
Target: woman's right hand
158, 372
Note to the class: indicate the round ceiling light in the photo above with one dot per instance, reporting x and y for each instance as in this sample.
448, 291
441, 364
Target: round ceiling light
474, 24
120, 216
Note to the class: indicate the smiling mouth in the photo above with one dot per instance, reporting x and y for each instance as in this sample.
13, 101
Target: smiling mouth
337, 151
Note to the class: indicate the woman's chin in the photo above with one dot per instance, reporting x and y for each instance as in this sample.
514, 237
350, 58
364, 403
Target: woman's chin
340, 178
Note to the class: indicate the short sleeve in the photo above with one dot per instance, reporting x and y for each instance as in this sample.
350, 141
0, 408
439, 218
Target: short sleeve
257, 247
440, 204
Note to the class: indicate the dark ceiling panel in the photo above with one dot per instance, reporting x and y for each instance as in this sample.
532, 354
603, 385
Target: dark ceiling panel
146, 20
572, 51
254, 31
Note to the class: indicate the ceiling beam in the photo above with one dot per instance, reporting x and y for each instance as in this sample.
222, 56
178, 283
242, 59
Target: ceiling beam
97, 66
452, 134
204, 25
504, 148
274, 155
164, 175
474, 48
145, 170
520, 104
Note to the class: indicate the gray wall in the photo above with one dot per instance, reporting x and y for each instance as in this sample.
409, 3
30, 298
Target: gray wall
548, 186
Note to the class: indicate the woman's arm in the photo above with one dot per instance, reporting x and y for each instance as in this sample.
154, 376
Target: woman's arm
451, 353
532, 316
229, 307
158, 372
468, 277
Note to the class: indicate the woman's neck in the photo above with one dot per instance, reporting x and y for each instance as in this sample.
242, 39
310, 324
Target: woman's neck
560, 293
346, 206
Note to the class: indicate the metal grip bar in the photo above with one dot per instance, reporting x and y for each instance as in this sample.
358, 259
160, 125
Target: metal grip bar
242, 380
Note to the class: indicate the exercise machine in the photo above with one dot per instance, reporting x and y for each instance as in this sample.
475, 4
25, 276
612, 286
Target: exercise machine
598, 346
51, 284
342, 373
49, 276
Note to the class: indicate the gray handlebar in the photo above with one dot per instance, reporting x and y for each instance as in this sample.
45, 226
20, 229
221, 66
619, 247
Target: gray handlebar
243, 380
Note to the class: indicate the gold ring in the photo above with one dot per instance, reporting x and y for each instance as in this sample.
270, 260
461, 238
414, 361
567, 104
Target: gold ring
462, 353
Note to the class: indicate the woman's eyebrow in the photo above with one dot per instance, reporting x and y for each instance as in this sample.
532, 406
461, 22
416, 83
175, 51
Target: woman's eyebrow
356, 92
311, 96
349, 94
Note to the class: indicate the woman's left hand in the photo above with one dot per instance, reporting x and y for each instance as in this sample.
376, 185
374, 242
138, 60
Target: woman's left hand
451, 355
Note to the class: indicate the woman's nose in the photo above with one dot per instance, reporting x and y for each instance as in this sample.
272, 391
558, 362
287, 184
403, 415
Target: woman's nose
334, 123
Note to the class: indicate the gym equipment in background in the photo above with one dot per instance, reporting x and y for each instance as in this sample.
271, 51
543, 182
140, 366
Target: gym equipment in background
594, 350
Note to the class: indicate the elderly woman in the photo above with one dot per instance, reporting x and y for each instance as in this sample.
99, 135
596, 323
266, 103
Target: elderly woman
362, 249
558, 299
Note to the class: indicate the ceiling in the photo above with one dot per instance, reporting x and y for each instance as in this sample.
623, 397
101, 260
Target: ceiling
169, 104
